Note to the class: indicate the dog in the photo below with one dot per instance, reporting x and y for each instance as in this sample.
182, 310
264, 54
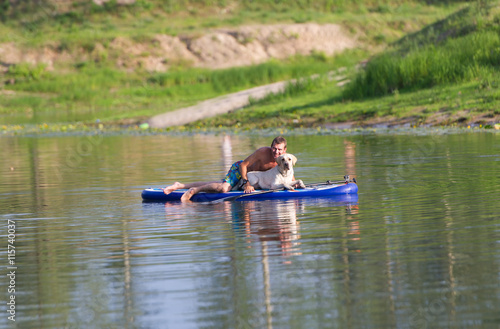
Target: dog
278, 177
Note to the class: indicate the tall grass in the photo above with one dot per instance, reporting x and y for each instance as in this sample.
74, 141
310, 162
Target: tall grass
457, 60
223, 80
228, 80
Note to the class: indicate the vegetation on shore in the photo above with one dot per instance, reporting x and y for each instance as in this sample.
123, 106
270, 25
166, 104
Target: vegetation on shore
110, 95
470, 51
423, 79
444, 72
81, 23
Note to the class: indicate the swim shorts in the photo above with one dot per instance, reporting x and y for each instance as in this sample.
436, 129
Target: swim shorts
233, 176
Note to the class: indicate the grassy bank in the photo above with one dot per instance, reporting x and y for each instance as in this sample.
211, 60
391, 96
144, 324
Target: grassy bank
469, 51
446, 74
76, 23
465, 104
441, 65
98, 92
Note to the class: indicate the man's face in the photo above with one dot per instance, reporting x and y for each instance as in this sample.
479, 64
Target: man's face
278, 149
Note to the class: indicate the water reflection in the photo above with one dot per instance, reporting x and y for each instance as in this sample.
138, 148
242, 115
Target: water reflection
266, 232
350, 158
269, 221
227, 152
275, 221
419, 250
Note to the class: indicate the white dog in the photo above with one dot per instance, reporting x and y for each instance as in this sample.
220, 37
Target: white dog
278, 177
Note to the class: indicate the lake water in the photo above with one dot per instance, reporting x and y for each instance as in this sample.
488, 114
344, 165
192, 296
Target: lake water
420, 248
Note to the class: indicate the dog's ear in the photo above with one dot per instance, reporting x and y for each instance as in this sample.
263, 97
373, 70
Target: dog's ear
294, 159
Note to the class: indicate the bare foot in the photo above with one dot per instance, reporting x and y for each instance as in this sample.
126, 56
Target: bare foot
188, 194
173, 187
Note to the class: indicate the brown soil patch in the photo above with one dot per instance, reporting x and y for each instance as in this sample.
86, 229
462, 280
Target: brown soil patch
464, 117
256, 44
460, 118
218, 48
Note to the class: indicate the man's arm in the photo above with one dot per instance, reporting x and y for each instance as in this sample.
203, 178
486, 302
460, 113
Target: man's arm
243, 171
255, 157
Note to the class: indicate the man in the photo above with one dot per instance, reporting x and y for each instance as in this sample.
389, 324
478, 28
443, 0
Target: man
261, 160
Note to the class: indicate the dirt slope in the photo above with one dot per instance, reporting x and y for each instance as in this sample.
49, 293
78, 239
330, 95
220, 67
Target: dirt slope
219, 48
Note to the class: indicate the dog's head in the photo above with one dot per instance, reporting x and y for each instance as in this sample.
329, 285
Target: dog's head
286, 161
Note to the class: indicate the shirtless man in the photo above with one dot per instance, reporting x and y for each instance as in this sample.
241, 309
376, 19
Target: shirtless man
261, 160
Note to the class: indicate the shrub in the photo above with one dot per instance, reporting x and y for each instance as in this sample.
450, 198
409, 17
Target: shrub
27, 72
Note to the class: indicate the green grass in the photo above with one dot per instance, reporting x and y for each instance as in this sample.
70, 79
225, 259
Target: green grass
82, 25
458, 60
442, 62
96, 91
323, 106
471, 51
423, 79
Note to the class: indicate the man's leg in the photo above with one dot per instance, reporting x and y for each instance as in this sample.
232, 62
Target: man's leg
214, 187
176, 186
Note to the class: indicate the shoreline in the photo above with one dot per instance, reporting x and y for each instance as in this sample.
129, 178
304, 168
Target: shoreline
342, 128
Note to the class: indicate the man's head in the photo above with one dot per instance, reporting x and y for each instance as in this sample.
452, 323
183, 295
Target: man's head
278, 146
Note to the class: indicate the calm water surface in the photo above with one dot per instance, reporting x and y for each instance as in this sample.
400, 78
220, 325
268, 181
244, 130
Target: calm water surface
420, 248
